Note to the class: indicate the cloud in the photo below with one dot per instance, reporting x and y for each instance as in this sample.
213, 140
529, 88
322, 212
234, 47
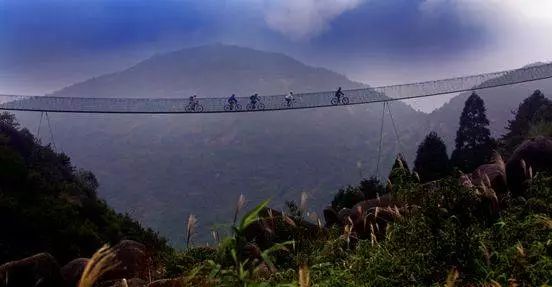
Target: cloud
534, 11
519, 29
304, 19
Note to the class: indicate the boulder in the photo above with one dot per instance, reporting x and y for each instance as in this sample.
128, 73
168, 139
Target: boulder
385, 200
330, 216
274, 226
72, 271
134, 261
370, 217
533, 155
492, 175
372, 222
40, 270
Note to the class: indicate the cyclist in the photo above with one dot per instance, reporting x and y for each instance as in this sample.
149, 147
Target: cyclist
254, 99
232, 101
289, 98
193, 102
338, 94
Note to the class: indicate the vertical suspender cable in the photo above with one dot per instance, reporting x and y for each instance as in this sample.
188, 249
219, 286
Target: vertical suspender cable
380, 140
51, 133
395, 129
39, 124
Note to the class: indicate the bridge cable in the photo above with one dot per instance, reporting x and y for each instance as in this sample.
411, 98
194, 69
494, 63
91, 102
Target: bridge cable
395, 129
51, 133
380, 140
39, 124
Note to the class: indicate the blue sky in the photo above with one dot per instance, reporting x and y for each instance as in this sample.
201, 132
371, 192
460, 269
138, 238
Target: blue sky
374, 41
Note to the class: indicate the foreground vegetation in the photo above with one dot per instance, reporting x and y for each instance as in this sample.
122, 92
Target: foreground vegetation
421, 228
448, 236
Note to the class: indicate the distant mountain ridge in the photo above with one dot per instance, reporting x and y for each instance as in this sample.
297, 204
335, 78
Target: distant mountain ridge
230, 69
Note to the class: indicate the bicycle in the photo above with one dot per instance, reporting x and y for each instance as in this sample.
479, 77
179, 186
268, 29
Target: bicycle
343, 100
255, 106
288, 104
232, 107
194, 107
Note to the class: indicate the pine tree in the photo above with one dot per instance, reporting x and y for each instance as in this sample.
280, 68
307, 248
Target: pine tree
530, 112
432, 161
474, 145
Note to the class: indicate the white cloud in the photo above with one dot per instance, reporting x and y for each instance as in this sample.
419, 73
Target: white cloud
303, 19
518, 30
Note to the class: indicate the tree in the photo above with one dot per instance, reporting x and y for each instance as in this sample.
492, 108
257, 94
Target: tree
432, 161
371, 188
474, 145
531, 111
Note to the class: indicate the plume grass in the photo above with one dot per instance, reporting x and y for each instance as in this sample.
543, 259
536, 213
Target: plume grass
190, 229
104, 260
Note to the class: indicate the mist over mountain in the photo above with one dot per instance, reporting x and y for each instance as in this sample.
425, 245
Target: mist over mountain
160, 168
211, 71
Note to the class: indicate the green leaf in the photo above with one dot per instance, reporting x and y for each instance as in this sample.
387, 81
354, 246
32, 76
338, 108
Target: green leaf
252, 215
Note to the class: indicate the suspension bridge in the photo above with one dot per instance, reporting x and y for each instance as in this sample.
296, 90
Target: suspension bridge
368, 95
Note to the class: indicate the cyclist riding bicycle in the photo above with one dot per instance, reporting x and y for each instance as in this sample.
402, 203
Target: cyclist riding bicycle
193, 101
289, 98
232, 100
254, 99
338, 94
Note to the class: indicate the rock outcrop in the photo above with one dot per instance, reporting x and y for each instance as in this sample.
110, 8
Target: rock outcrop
533, 155
72, 271
40, 270
133, 261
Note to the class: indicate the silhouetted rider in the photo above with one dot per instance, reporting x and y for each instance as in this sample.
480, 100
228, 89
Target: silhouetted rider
232, 100
289, 98
193, 101
338, 94
254, 99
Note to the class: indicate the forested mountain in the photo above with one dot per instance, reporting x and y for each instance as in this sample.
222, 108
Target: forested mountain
161, 168
47, 204
500, 103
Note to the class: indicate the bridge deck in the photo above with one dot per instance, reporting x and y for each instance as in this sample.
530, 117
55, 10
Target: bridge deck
275, 102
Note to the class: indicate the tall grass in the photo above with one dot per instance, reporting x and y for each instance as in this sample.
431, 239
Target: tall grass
190, 229
101, 262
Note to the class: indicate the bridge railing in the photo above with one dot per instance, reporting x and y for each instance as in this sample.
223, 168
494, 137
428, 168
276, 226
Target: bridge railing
275, 102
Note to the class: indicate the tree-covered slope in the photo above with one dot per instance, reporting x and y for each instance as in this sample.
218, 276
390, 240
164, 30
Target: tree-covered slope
47, 205
499, 102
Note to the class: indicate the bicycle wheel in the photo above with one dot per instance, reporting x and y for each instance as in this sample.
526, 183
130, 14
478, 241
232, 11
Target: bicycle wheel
345, 100
260, 106
334, 101
250, 107
237, 107
198, 108
188, 108
227, 108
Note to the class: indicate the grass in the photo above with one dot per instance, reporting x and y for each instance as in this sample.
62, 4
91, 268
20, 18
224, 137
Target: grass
445, 238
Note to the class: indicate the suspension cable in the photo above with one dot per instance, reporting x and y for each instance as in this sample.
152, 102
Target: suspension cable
395, 129
51, 133
39, 124
380, 140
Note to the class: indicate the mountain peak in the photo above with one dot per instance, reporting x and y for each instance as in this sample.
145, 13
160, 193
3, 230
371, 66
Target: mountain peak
213, 70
